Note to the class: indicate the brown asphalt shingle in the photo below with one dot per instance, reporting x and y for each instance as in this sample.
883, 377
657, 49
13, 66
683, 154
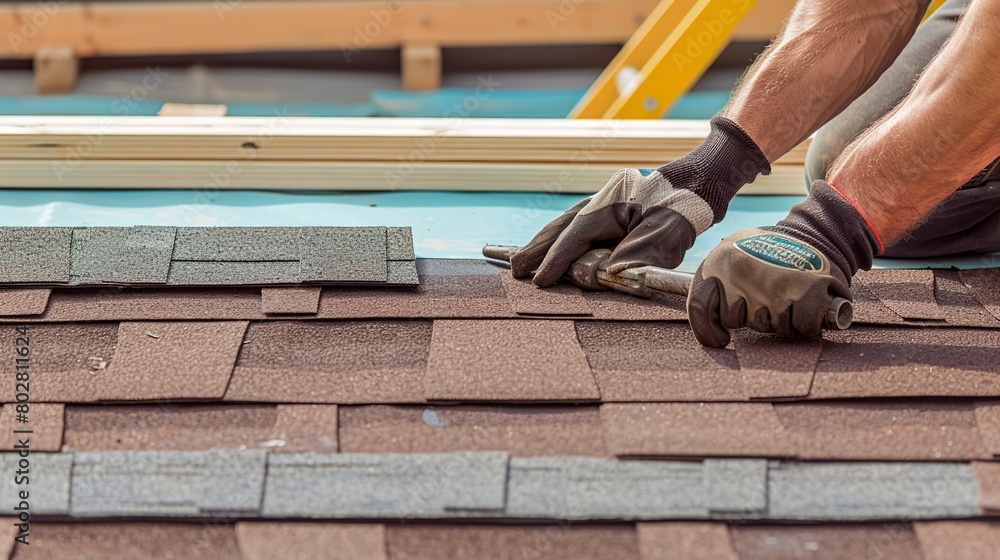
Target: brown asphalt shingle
775, 367
44, 420
495, 542
519, 430
690, 541
958, 303
67, 360
988, 475
985, 284
958, 540
863, 430
889, 541
290, 300
126, 540
866, 362
261, 540
528, 299
500, 360
658, 361
161, 360
910, 293
343, 362
191, 427
23, 301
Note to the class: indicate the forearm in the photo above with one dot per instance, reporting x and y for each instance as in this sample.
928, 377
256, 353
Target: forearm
939, 137
828, 54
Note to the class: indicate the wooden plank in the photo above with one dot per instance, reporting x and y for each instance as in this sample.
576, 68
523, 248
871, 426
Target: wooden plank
569, 142
353, 176
178, 27
56, 69
421, 66
192, 110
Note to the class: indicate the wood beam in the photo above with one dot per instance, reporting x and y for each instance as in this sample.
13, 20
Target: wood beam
56, 70
177, 27
421, 66
531, 155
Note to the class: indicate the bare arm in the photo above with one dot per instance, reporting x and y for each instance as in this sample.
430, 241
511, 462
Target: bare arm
828, 54
937, 138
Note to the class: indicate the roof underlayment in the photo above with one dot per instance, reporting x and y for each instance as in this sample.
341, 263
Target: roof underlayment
477, 416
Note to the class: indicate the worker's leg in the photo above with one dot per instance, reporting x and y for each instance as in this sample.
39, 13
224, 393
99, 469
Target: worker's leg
969, 221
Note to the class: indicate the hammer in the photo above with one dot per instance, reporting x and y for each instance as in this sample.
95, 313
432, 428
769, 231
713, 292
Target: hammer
588, 272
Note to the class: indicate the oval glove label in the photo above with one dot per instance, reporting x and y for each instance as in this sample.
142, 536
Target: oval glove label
781, 251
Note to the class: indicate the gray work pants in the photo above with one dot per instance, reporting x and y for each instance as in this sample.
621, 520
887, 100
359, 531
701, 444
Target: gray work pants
969, 220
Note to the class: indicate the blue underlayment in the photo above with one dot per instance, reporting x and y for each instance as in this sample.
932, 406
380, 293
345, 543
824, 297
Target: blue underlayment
445, 102
445, 224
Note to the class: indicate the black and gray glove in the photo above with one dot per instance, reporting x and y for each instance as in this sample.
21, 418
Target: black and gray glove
653, 215
782, 279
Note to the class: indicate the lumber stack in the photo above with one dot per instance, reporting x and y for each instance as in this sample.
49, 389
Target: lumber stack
536, 155
418, 27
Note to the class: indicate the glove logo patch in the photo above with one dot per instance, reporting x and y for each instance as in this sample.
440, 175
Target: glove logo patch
781, 251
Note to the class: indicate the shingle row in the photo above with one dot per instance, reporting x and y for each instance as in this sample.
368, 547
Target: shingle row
252, 483
481, 360
870, 430
471, 289
696, 540
205, 256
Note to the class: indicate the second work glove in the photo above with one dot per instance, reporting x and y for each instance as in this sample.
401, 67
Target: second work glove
651, 216
782, 279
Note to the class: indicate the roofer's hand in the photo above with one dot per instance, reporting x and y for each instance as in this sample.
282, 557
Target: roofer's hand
782, 279
652, 215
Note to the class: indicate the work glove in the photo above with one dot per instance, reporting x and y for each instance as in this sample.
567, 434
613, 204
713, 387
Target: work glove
782, 279
651, 216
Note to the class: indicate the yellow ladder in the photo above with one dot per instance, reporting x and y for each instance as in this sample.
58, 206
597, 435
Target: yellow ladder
665, 57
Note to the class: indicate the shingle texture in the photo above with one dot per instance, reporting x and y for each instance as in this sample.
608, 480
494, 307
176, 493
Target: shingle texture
223, 256
475, 415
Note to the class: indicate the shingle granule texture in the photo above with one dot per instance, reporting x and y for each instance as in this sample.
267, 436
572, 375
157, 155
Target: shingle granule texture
342, 362
688, 540
493, 542
508, 361
658, 361
518, 430
35, 254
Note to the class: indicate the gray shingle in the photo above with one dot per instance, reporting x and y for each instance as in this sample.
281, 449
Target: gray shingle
858, 491
167, 483
195, 273
234, 481
579, 488
343, 254
237, 244
402, 273
48, 482
122, 255
399, 244
35, 254
384, 485
736, 485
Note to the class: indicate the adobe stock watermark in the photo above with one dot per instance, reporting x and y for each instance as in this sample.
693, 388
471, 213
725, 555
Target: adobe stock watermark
365, 34
709, 31
580, 160
562, 13
123, 106
427, 146
223, 178
32, 24
225, 7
